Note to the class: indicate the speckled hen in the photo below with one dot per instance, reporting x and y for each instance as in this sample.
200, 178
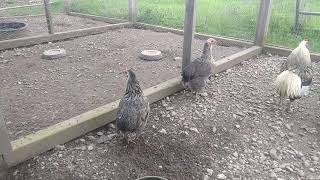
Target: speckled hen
133, 111
196, 74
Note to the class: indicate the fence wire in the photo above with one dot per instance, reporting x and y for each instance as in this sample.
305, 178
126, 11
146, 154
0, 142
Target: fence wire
282, 24
107, 8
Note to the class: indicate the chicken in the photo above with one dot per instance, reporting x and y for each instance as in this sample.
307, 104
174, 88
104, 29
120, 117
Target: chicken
196, 74
296, 75
133, 111
300, 56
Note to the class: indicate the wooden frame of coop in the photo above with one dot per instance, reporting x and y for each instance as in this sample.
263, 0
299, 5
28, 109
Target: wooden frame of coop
17, 151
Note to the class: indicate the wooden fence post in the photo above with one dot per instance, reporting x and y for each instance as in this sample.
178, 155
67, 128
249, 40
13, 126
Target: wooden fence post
5, 145
132, 10
263, 22
48, 16
188, 32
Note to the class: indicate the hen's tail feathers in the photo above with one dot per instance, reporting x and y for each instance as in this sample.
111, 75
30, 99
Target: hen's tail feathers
288, 85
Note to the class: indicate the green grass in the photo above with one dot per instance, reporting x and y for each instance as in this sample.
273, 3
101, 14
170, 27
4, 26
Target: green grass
232, 18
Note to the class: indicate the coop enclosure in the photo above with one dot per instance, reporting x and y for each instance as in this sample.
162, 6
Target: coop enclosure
96, 29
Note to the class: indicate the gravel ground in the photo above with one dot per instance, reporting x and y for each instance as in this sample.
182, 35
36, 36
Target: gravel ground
38, 93
236, 132
38, 25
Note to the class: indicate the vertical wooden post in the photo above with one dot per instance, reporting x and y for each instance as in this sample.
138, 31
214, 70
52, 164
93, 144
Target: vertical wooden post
5, 145
67, 6
48, 16
263, 22
188, 32
132, 10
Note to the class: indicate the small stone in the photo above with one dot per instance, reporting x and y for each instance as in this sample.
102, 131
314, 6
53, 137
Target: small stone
173, 113
60, 147
163, 131
237, 126
288, 126
315, 158
235, 154
178, 59
306, 163
100, 133
273, 175
301, 173
221, 176
82, 140
194, 130
205, 177
83, 148
60, 155
209, 172
160, 167
91, 138
273, 154
311, 170
8, 123
90, 147
214, 129
111, 126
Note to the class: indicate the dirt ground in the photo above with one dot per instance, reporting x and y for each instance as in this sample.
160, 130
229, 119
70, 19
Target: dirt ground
37, 93
38, 25
237, 132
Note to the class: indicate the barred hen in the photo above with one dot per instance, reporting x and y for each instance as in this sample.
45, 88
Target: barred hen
133, 111
296, 75
196, 74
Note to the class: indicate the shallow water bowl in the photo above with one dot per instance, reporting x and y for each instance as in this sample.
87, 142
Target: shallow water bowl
151, 178
11, 30
151, 55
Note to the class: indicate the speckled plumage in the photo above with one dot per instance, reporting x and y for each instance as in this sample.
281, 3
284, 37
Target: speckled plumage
133, 111
195, 75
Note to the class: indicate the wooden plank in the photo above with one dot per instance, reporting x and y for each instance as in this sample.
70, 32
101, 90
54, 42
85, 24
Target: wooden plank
5, 147
283, 51
25, 6
222, 41
98, 18
132, 10
263, 22
46, 139
228, 62
43, 140
189, 29
308, 13
297, 24
48, 16
28, 41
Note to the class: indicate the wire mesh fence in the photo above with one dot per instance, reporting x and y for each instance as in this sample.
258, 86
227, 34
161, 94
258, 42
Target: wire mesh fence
107, 8
282, 24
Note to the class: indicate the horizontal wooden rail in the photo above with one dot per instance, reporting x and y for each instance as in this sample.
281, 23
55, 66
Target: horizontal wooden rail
307, 13
27, 41
283, 51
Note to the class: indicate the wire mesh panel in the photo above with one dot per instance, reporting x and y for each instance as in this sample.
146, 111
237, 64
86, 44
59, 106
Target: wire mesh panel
169, 13
232, 18
282, 24
106, 8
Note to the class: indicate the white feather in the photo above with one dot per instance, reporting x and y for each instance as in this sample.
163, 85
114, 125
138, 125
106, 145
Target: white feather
288, 84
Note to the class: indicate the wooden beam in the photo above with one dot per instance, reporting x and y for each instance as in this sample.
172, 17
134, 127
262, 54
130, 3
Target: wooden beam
5, 145
308, 13
28, 41
43, 140
132, 10
263, 22
27, 16
189, 29
222, 41
25, 6
98, 18
230, 61
46, 139
283, 51
48, 16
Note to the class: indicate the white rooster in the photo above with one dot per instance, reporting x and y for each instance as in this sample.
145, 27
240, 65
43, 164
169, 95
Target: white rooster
296, 76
